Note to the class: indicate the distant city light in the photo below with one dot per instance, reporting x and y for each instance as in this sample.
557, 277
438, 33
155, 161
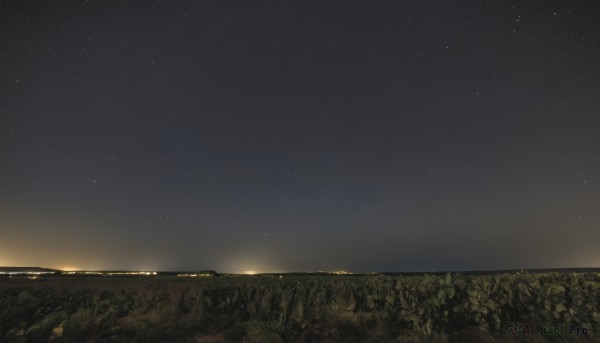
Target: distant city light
109, 273
24, 273
194, 275
337, 272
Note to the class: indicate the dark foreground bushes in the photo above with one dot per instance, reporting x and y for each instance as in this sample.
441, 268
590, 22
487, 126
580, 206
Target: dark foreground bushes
371, 308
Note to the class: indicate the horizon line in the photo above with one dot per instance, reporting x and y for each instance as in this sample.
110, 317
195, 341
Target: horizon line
338, 272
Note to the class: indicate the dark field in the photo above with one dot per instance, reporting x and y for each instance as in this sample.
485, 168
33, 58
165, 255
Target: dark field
303, 308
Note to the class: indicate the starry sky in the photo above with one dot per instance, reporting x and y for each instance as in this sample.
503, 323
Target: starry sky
300, 135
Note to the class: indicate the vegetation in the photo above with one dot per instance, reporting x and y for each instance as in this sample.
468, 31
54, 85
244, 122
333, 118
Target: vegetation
270, 308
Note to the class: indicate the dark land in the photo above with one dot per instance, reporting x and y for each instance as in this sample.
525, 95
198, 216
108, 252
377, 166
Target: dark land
550, 305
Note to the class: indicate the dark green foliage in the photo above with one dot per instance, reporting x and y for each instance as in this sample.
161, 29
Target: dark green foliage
374, 308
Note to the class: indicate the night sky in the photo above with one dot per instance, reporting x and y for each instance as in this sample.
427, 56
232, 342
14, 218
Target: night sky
300, 136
